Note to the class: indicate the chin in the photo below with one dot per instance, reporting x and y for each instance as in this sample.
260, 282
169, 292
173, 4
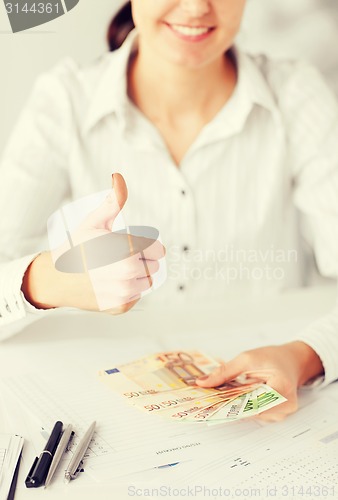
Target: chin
192, 57
189, 61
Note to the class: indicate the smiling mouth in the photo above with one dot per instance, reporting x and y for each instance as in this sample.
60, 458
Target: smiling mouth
191, 31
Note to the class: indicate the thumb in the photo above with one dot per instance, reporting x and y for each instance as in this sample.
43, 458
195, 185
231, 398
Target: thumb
104, 216
120, 189
223, 373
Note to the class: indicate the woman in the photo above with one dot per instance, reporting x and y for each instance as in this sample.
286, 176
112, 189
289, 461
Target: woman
226, 154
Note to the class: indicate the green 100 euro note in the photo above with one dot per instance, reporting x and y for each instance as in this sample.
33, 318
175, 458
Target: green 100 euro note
164, 384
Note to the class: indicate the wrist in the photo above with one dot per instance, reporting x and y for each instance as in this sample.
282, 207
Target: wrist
46, 288
307, 360
34, 282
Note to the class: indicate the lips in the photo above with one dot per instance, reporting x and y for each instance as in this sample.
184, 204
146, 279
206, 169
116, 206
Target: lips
190, 32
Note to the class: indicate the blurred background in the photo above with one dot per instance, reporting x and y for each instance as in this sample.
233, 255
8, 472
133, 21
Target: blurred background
305, 29
298, 29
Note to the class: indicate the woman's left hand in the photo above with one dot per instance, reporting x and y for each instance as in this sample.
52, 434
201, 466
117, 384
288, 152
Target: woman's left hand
284, 368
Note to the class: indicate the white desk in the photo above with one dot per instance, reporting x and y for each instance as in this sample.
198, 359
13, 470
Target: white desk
93, 341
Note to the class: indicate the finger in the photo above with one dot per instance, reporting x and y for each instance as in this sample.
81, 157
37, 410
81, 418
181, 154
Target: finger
287, 388
226, 371
123, 307
120, 188
270, 416
148, 268
154, 250
130, 288
143, 284
252, 376
104, 216
131, 268
280, 412
132, 301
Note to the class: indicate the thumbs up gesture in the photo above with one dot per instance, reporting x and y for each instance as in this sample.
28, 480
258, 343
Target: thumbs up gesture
100, 220
98, 269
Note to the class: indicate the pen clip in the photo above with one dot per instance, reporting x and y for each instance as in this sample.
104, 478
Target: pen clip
69, 476
72, 434
78, 470
29, 481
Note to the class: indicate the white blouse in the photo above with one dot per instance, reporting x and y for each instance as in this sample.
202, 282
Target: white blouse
254, 196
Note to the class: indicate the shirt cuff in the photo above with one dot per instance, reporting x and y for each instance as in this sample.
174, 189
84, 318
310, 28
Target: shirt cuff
322, 337
13, 305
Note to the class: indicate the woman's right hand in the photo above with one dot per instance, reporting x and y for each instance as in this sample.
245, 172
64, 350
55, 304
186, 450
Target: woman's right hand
114, 288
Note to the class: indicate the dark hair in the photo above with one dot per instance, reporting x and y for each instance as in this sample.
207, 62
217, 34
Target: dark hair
120, 27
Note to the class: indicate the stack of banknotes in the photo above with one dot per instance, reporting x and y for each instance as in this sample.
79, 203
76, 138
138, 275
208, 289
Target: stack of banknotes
164, 384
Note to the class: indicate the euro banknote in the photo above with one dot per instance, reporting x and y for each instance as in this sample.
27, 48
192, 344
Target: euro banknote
164, 384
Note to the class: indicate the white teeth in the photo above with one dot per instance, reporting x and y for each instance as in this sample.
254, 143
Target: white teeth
189, 31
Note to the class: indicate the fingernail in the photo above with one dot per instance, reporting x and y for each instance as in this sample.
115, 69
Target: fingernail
203, 377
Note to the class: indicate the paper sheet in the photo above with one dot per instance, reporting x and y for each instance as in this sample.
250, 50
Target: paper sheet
10, 449
280, 460
126, 440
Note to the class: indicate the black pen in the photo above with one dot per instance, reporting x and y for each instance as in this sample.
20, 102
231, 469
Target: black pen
39, 470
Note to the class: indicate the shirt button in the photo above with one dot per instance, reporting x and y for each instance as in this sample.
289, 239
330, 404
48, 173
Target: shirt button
181, 288
185, 248
183, 192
